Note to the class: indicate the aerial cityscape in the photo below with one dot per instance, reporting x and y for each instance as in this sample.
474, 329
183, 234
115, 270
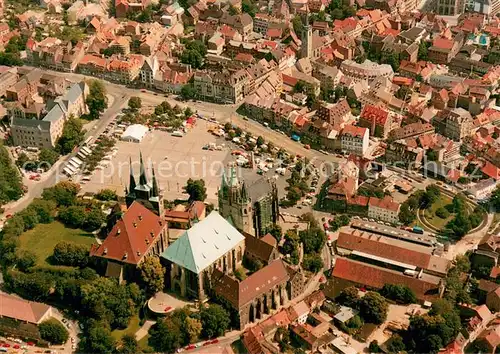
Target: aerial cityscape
249, 176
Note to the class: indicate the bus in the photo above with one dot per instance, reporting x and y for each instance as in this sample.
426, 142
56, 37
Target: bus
88, 140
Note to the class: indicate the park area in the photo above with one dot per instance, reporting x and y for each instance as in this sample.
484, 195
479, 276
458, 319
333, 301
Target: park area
42, 239
435, 214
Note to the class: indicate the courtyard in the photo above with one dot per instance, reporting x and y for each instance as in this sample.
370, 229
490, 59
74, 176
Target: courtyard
42, 239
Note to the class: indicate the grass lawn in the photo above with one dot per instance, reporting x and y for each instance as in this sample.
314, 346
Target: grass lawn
43, 238
143, 344
430, 214
132, 327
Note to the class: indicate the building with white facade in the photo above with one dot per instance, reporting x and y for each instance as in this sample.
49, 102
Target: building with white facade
354, 140
45, 132
483, 189
385, 209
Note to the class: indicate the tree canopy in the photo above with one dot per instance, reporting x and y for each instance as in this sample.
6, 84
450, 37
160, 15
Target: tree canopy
96, 101
196, 190
71, 136
10, 180
53, 331
373, 308
152, 274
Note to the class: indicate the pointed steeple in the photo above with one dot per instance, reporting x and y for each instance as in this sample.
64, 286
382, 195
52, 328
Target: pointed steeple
244, 195
131, 184
142, 179
155, 191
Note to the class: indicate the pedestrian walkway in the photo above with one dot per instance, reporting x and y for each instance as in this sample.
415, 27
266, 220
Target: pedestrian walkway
143, 331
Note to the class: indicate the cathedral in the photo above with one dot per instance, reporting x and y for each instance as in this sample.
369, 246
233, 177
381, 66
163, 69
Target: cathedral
146, 193
252, 209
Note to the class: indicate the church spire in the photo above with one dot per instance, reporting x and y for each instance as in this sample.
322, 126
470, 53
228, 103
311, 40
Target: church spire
244, 195
142, 179
131, 183
156, 191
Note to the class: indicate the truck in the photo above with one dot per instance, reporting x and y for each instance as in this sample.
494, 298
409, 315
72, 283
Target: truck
417, 230
295, 137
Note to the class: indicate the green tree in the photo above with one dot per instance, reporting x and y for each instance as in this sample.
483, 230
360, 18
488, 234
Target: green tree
71, 136
298, 26
313, 239
106, 195
10, 180
215, 321
63, 193
400, 293
276, 231
25, 259
188, 92
196, 190
193, 329
248, 7
53, 331
373, 308
374, 347
96, 100
152, 274
396, 344
94, 219
423, 51
98, 339
313, 262
129, 345
70, 254
47, 158
134, 103
72, 216
45, 209
349, 297
166, 335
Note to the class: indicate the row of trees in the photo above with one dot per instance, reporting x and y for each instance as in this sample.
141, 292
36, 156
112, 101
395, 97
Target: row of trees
464, 220
10, 180
183, 327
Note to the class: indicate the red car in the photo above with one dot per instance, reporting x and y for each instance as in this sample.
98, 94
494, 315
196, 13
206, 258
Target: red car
16, 346
215, 341
6, 345
207, 343
190, 346
31, 344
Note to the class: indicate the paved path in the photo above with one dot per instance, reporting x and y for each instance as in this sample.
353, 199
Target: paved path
143, 331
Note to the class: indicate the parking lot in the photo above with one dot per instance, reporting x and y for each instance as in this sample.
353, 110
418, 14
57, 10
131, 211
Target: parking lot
175, 160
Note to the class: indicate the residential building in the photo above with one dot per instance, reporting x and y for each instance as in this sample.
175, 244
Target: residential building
7, 79
45, 132
450, 7
482, 189
211, 244
411, 130
253, 208
222, 87
354, 140
376, 119
138, 234
455, 124
148, 71
385, 209
367, 70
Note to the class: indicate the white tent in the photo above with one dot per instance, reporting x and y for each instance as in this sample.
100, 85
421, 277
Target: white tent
73, 164
134, 133
68, 172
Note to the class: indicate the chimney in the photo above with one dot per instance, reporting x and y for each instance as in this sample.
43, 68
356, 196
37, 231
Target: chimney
105, 250
135, 224
118, 231
139, 253
140, 217
125, 255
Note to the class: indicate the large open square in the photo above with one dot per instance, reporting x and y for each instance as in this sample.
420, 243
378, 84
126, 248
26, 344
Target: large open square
175, 160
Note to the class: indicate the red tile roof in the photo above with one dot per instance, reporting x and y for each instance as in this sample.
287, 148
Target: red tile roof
386, 203
376, 277
372, 113
384, 250
132, 236
354, 131
491, 170
22, 310
443, 43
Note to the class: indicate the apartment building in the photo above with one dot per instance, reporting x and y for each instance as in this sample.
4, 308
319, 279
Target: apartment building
450, 7
7, 79
455, 124
376, 119
222, 87
385, 209
354, 140
44, 133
